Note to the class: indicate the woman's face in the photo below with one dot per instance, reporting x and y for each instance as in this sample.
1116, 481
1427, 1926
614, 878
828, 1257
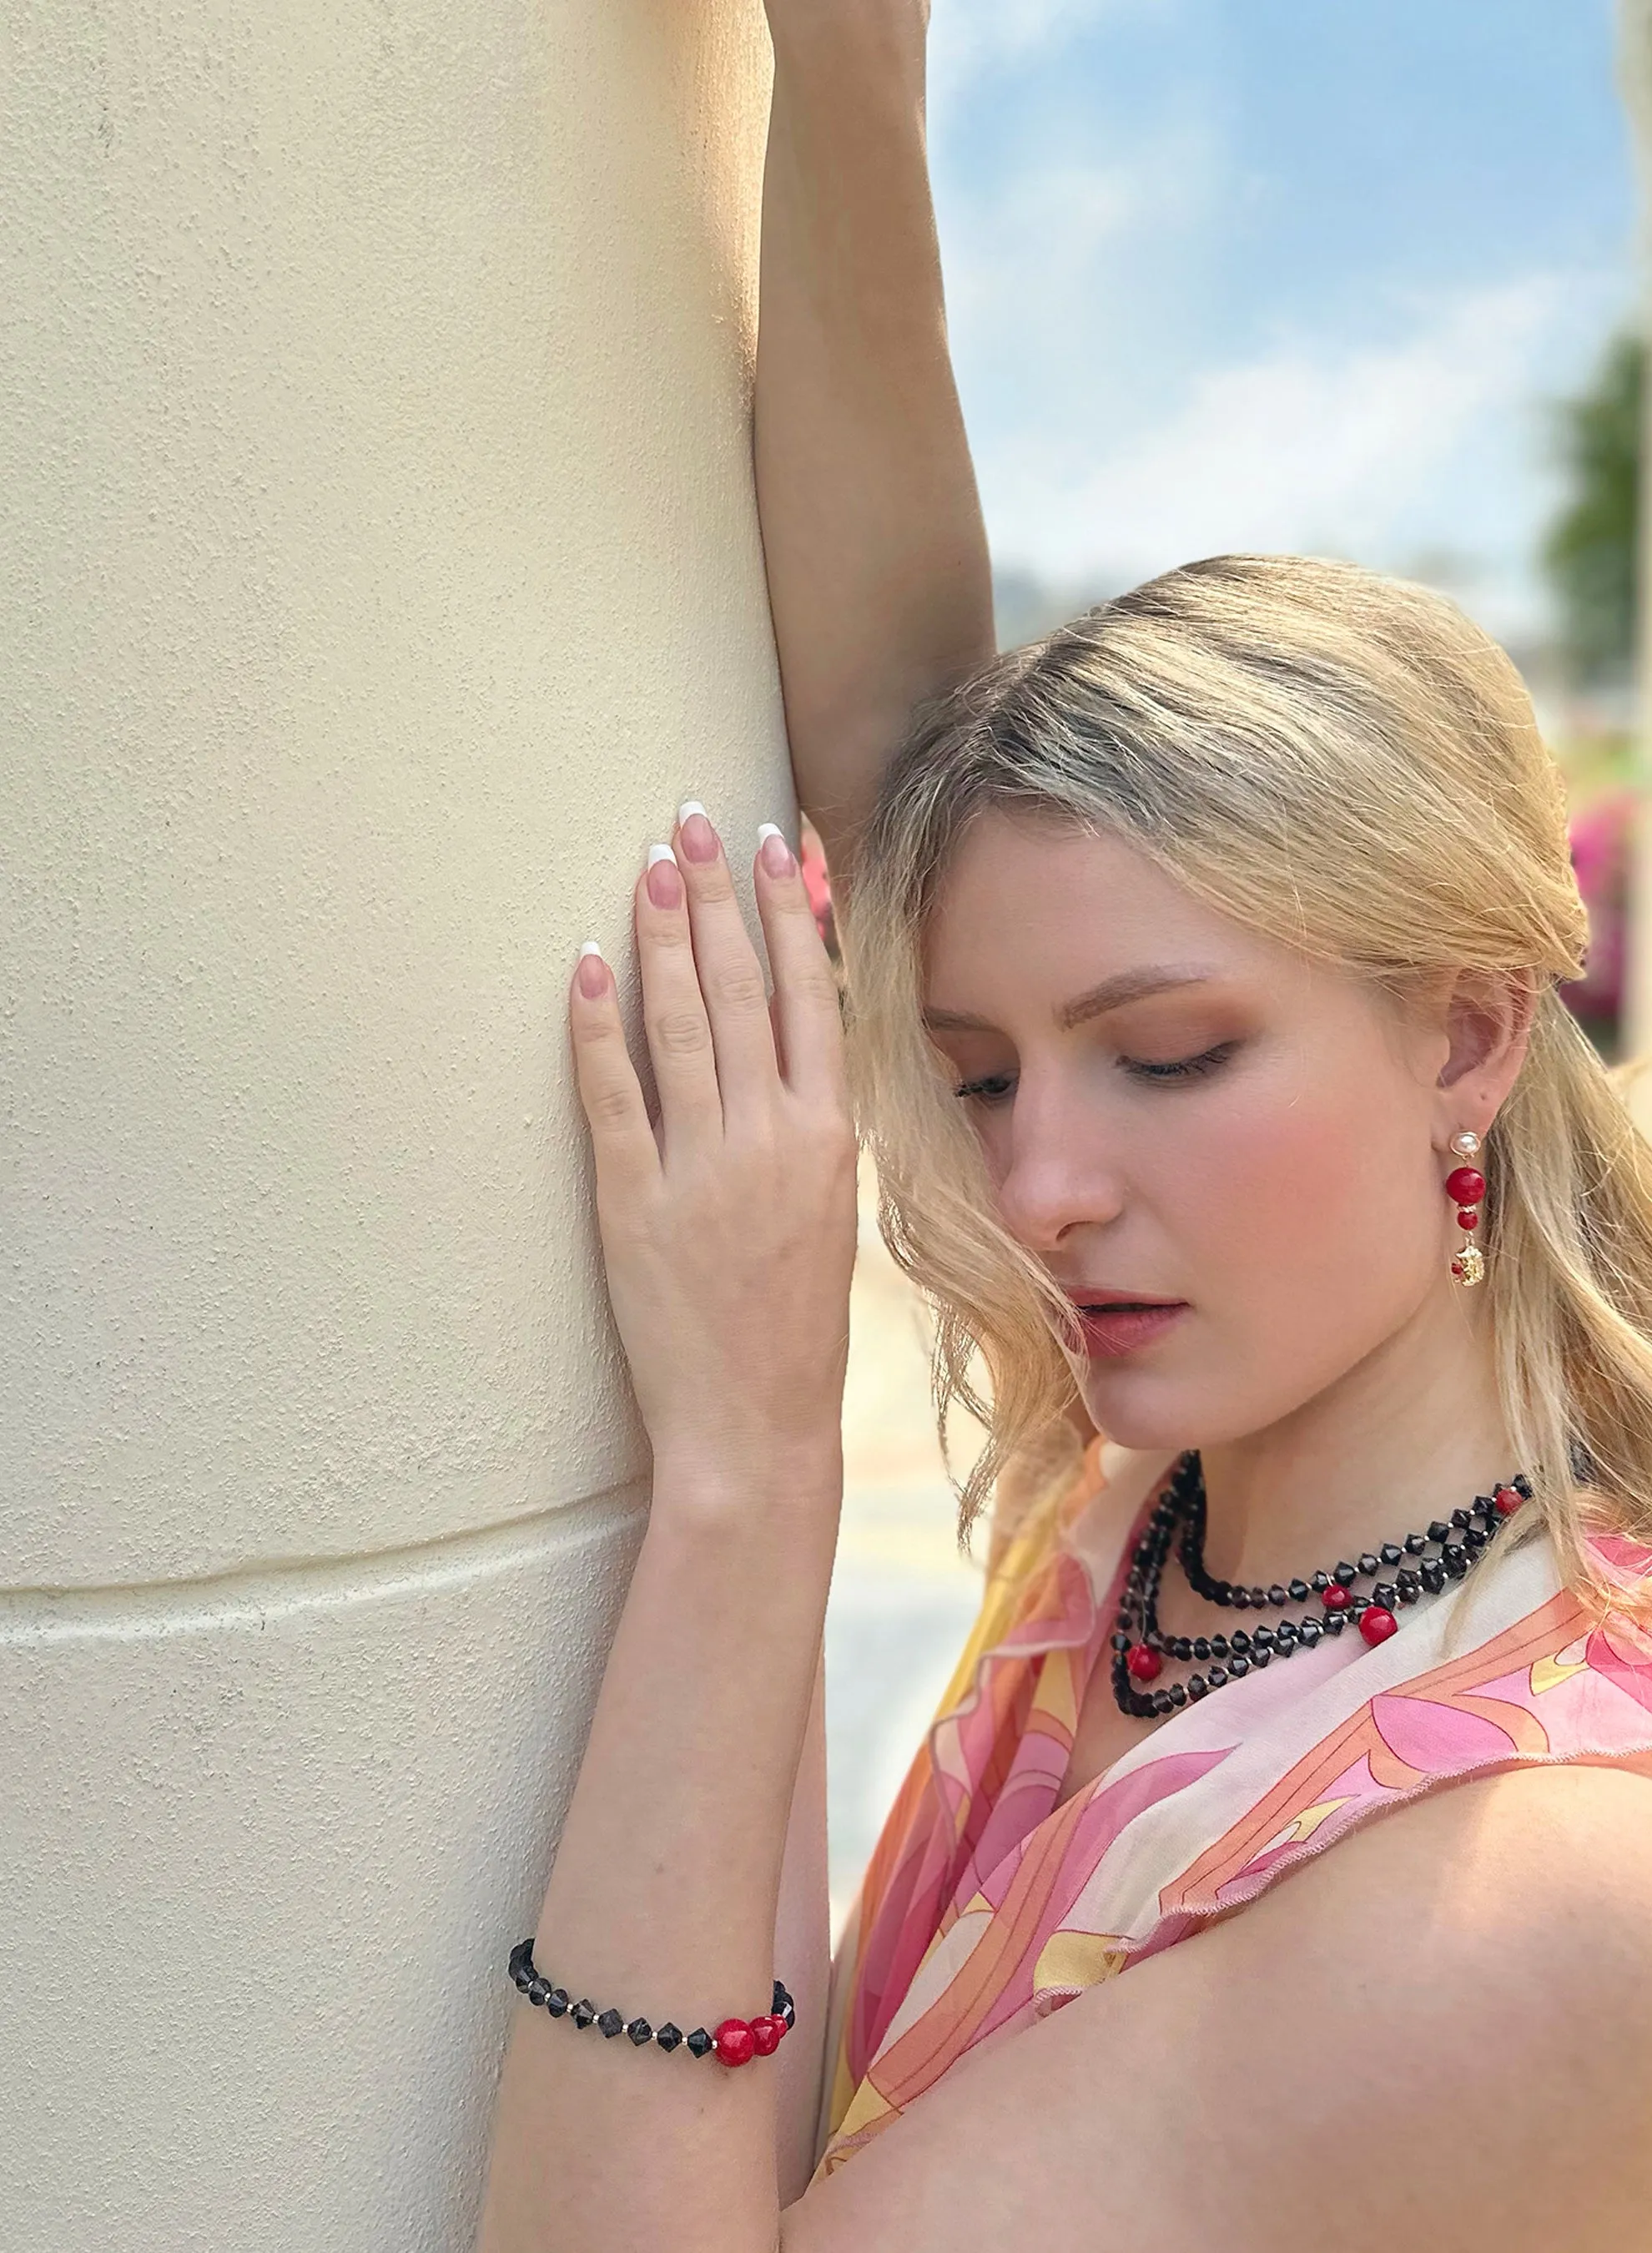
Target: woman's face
1173, 1107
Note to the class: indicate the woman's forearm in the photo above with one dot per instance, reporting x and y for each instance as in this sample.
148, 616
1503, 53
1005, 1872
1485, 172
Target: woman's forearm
802, 1956
663, 1897
876, 555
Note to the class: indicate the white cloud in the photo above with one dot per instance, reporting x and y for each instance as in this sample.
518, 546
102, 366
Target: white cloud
1050, 257
967, 37
1018, 255
1325, 443
1147, 378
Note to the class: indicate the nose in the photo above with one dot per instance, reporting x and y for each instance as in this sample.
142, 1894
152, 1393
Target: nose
1057, 1176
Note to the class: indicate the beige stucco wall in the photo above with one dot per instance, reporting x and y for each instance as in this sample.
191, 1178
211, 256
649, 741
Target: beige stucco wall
380, 567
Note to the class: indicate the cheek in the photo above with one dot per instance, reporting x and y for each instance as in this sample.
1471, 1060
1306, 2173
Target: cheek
1266, 1185
1320, 1211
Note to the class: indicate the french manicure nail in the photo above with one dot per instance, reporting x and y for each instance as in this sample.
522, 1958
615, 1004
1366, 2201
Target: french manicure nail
696, 838
773, 850
665, 882
689, 805
592, 971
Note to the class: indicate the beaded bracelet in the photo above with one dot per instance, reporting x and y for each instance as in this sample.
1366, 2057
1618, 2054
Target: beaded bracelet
736, 2042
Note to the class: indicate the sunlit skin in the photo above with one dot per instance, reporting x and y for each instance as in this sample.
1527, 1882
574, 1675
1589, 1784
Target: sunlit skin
1266, 1139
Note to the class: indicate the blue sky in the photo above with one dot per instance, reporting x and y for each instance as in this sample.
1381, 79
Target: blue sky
1277, 274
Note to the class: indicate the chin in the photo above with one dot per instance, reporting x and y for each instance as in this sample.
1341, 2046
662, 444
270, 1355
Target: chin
1158, 1409
1143, 1408
1136, 1411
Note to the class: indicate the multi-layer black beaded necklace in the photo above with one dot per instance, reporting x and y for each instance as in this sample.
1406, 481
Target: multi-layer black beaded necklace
1140, 1648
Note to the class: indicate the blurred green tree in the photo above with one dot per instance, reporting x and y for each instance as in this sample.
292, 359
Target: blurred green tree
1589, 550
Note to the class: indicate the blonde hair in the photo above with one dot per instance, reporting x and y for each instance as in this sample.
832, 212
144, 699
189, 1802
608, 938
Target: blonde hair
1344, 762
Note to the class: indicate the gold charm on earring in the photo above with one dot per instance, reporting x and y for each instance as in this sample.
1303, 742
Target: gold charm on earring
1466, 1187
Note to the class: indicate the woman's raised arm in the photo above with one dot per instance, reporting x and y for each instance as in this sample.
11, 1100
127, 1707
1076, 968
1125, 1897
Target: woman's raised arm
878, 574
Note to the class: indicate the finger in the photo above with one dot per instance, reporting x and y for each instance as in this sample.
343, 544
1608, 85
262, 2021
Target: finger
806, 992
674, 1007
731, 976
609, 1088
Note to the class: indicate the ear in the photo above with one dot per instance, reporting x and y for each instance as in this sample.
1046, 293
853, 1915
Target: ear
1487, 1025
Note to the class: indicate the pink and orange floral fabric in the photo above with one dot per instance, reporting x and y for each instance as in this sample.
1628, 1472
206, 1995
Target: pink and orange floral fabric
985, 1906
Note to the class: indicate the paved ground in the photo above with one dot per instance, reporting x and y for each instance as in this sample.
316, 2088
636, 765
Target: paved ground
902, 1599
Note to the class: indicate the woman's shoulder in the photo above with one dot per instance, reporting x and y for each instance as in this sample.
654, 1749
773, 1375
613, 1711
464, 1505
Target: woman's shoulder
1500, 1931
1555, 1857
1454, 2004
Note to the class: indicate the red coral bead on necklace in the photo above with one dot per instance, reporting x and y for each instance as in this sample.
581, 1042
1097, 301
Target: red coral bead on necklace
766, 2034
1141, 1651
1466, 1185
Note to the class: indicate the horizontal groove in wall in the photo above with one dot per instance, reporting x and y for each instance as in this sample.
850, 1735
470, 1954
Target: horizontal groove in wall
266, 1591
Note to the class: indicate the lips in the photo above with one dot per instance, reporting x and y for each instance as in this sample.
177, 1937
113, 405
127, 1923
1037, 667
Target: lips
1113, 1325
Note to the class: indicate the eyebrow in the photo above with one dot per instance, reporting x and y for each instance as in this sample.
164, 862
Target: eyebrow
1111, 994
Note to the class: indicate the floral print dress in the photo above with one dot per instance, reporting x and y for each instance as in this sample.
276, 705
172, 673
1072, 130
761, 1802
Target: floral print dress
985, 1906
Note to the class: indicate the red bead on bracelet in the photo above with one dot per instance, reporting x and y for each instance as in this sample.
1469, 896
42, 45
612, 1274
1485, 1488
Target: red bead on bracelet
736, 2042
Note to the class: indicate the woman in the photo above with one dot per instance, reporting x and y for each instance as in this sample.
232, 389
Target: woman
1202, 963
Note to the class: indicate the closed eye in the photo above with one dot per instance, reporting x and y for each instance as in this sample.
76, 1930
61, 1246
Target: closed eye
996, 1087
1186, 1068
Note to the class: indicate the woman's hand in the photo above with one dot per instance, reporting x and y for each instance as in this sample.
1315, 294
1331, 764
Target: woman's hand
727, 1226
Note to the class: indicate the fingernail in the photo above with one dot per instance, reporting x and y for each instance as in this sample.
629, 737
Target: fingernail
773, 850
665, 878
690, 805
695, 834
592, 971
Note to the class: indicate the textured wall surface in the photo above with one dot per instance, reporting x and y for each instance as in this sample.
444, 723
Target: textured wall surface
378, 568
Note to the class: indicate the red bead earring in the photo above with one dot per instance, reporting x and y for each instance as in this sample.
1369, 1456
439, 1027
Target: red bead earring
1466, 1187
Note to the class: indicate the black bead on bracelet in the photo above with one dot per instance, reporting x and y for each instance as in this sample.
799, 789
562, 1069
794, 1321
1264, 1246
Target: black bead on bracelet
735, 2041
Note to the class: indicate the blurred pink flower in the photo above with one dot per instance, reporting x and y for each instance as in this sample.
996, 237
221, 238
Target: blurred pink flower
817, 883
1600, 857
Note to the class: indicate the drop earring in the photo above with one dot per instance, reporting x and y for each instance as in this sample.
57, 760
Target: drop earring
1466, 1187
